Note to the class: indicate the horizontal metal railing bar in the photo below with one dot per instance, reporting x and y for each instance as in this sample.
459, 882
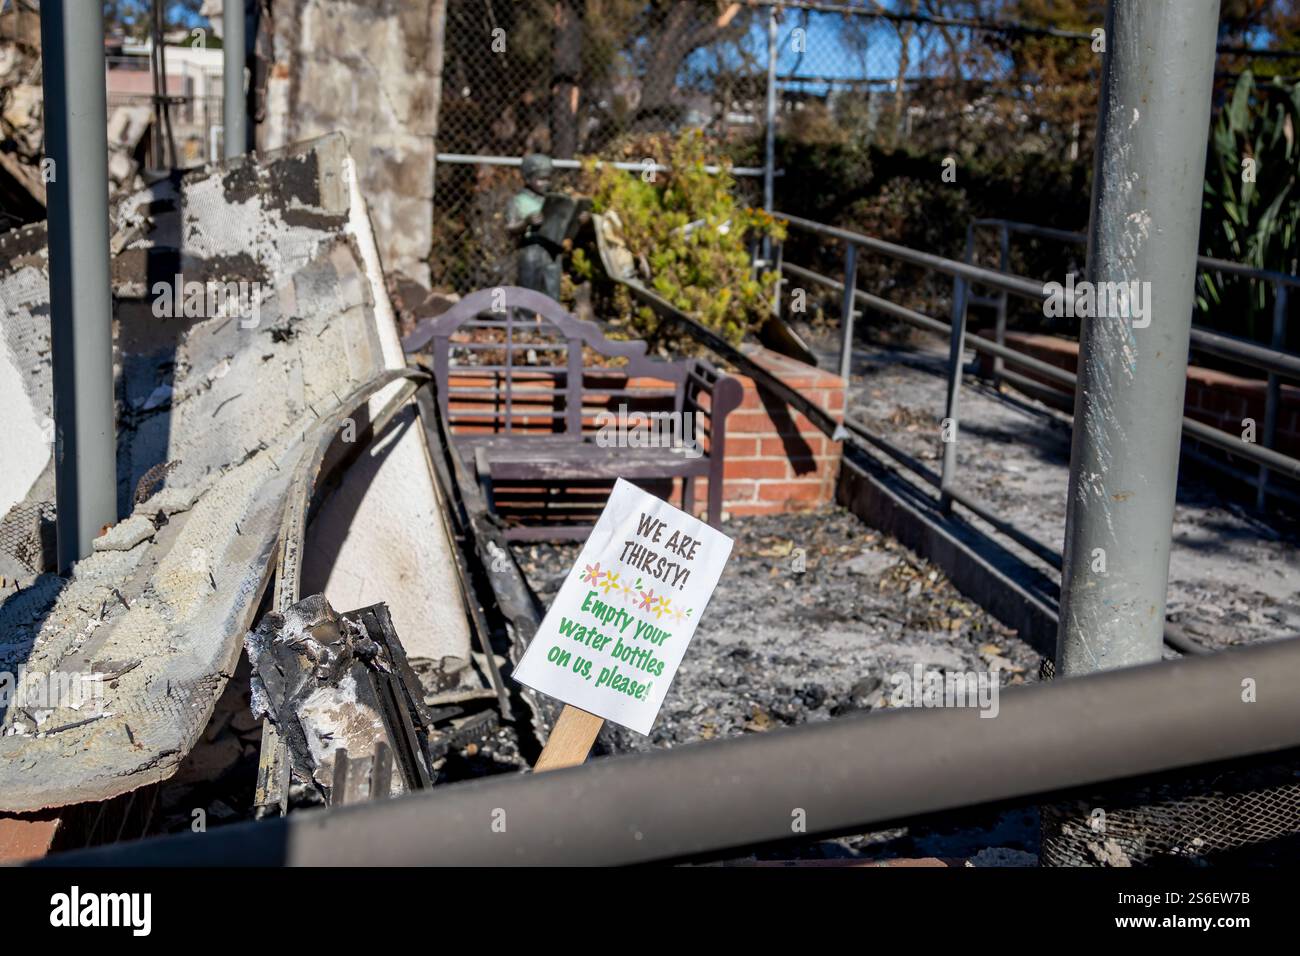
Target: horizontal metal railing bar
1251, 353
938, 327
1233, 444
472, 159
1253, 452
1261, 356
999, 280
1207, 263
1047, 739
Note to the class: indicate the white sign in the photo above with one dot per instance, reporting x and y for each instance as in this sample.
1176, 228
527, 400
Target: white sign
612, 640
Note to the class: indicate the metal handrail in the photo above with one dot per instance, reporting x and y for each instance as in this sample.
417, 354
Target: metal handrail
1272, 360
1028, 288
1208, 263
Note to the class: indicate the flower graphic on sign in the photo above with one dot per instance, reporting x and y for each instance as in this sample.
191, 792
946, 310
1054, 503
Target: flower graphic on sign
629, 592
593, 573
647, 600
679, 615
611, 582
663, 607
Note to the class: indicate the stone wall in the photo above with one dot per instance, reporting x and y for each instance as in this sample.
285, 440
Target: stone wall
370, 69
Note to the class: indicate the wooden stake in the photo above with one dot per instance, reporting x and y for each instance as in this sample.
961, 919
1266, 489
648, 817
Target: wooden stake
570, 739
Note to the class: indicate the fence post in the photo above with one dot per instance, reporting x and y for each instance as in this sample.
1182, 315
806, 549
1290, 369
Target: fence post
232, 78
950, 425
1155, 104
81, 315
1000, 328
1273, 395
846, 311
776, 292
769, 144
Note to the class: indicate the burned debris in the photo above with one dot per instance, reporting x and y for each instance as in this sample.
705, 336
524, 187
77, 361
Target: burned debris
344, 699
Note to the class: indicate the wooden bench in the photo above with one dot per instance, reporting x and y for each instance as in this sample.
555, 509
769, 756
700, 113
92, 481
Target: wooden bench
525, 410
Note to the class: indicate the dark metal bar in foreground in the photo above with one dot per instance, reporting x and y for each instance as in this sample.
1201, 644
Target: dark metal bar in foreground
845, 774
81, 312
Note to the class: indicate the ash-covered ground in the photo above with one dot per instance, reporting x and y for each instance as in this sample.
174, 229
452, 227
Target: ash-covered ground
1234, 574
779, 646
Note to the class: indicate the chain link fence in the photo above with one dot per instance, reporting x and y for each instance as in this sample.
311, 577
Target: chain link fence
560, 77
576, 78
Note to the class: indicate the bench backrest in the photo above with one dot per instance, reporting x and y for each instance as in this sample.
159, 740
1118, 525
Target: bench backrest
544, 381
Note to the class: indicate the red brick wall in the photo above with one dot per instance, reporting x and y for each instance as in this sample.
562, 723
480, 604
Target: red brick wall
1213, 397
776, 459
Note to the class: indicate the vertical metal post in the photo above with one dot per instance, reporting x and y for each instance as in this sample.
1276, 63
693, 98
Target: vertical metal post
769, 145
1000, 328
1155, 104
780, 279
232, 78
950, 425
846, 310
1273, 395
81, 312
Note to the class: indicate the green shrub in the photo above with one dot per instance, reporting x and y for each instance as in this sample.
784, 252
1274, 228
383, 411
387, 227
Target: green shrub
704, 271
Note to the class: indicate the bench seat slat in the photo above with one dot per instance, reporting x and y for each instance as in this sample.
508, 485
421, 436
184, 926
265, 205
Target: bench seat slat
554, 461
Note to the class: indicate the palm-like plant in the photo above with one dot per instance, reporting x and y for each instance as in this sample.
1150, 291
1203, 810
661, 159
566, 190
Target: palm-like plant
1251, 210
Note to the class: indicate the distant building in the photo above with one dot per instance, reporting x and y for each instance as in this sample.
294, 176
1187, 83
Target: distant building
193, 75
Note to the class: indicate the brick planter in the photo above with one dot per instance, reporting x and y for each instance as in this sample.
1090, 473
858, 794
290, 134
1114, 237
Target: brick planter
777, 460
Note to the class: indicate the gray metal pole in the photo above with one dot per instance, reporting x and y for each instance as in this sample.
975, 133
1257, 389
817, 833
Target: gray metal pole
232, 108
840, 776
846, 310
769, 146
956, 349
1273, 395
1146, 202
81, 312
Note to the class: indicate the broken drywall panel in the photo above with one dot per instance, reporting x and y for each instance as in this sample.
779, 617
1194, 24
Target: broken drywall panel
389, 542
219, 399
24, 362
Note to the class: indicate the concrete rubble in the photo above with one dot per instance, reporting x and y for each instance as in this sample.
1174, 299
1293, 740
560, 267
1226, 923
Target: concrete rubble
215, 405
22, 126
